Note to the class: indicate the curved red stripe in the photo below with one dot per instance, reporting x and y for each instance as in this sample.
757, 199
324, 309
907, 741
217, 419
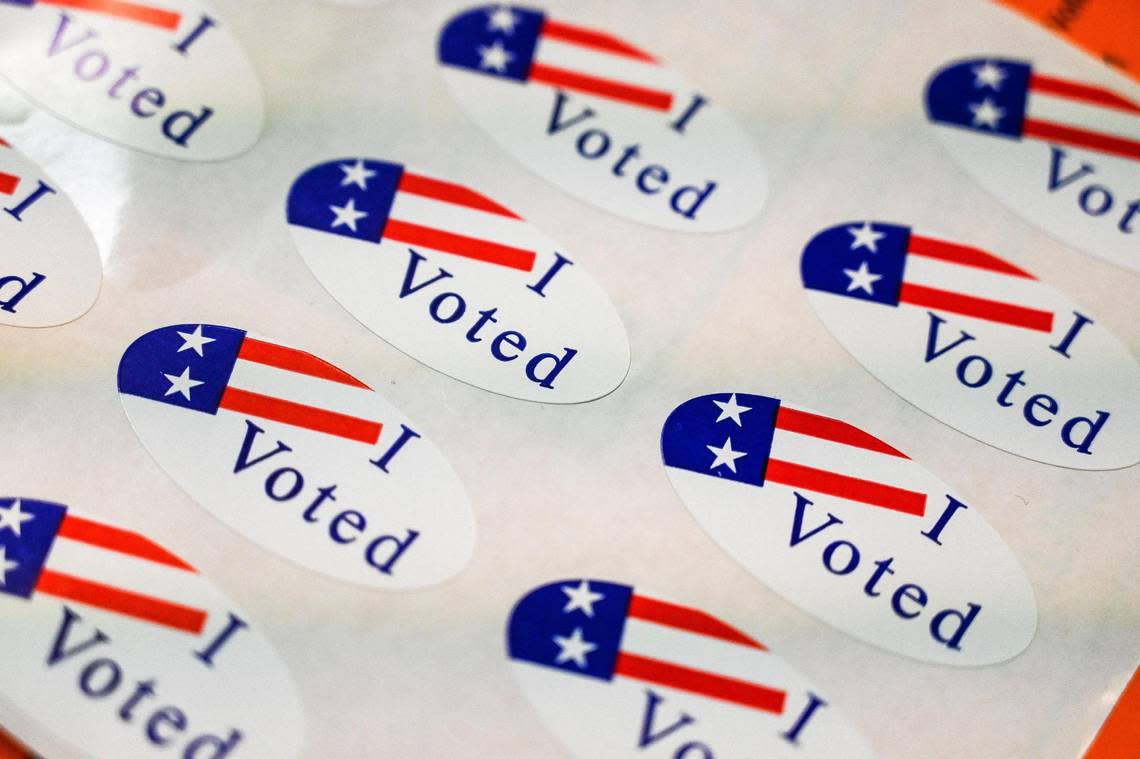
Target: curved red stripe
825, 428
849, 488
578, 35
607, 88
8, 183
685, 618
300, 415
449, 192
144, 14
123, 602
963, 255
979, 308
293, 360
703, 683
1081, 138
1052, 85
120, 541
459, 245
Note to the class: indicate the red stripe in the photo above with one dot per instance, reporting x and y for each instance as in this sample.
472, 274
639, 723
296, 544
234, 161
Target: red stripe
626, 93
589, 38
459, 245
5, 143
979, 308
450, 192
144, 14
703, 683
1051, 85
963, 255
8, 183
842, 486
300, 415
1081, 138
121, 601
120, 541
813, 425
293, 360
684, 618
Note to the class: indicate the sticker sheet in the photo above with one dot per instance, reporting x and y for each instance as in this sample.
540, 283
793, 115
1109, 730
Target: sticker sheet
384, 378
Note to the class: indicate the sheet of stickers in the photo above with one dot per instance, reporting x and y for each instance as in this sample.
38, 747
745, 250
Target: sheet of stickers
595, 379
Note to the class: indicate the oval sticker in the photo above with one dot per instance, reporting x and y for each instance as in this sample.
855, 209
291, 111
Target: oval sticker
849, 529
297, 455
121, 648
602, 119
164, 77
51, 271
1063, 153
978, 343
457, 281
614, 672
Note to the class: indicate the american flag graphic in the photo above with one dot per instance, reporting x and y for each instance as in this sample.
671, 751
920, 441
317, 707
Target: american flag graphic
45, 551
892, 265
9, 183
137, 12
604, 630
526, 46
759, 440
374, 201
212, 369
1009, 99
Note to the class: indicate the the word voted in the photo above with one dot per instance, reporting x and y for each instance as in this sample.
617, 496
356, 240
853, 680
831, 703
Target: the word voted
119, 647
297, 455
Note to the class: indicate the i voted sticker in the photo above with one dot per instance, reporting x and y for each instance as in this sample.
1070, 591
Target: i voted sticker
457, 281
297, 455
849, 529
602, 119
615, 672
121, 648
1063, 153
50, 273
978, 343
166, 78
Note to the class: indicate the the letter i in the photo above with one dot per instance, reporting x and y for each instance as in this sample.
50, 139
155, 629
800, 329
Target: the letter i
199, 30
406, 434
549, 275
207, 654
39, 192
683, 120
793, 733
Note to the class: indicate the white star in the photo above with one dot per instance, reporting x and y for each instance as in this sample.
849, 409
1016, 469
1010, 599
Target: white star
6, 566
574, 648
12, 517
194, 340
987, 114
357, 174
501, 19
988, 75
730, 410
347, 215
862, 279
581, 598
865, 237
495, 57
181, 384
725, 455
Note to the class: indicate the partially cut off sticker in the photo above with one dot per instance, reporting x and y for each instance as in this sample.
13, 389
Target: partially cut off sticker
1065, 154
614, 672
978, 343
297, 455
120, 648
165, 78
51, 271
458, 281
602, 119
849, 529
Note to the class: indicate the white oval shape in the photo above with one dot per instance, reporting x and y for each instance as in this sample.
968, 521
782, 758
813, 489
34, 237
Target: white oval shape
165, 77
51, 271
978, 343
457, 281
297, 455
615, 673
119, 647
1064, 154
602, 119
849, 529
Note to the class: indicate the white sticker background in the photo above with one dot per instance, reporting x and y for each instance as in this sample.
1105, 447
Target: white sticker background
573, 311
248, 688
100, 71
48, 238
582, 153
